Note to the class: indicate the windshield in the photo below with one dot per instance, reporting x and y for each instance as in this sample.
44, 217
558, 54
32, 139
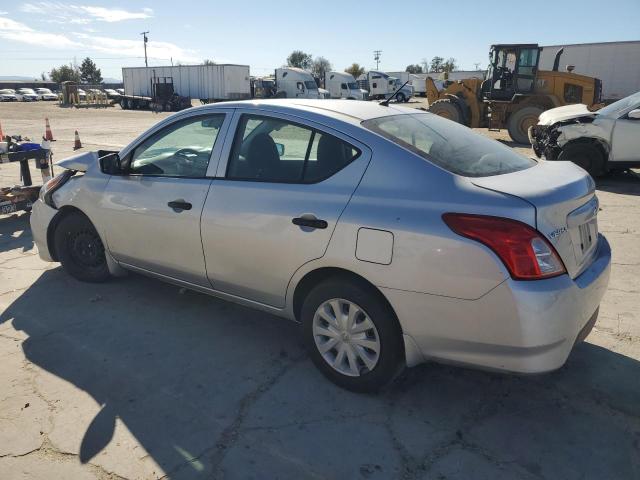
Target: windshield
449, 145
310, 84
352, 86
618, 108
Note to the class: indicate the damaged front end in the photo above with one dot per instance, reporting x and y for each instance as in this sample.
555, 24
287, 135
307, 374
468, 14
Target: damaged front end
547, 140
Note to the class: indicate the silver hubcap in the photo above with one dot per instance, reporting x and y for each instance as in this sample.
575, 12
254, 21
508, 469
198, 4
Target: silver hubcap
346, 337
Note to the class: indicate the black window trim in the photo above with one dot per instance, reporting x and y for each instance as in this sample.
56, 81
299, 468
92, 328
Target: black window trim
132, 151
236, 138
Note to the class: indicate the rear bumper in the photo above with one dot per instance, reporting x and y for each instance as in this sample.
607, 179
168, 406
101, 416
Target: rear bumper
519, 326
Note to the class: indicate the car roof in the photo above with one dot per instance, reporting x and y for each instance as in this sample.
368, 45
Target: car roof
352, 111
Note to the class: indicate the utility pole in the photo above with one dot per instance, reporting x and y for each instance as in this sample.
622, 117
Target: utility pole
376, 57
145, 39
477, 65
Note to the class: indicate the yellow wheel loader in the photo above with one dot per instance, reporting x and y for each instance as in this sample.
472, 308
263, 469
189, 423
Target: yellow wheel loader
514, 92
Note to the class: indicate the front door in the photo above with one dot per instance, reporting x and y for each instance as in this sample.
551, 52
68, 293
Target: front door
624, 141
285, 185
152, 211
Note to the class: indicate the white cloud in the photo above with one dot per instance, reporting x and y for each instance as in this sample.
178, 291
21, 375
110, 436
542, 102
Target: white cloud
135, 48
114, 14
4, 13
57, 12
19, 32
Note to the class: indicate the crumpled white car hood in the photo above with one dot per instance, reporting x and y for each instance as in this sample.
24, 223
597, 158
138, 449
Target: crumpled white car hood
564, 113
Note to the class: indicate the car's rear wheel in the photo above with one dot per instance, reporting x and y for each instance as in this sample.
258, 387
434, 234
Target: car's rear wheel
352, 335
585, 155
80, 249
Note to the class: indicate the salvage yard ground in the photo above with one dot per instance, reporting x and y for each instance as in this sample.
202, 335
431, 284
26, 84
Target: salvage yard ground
137, 379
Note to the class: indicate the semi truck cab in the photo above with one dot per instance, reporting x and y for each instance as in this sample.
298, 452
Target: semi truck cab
294, 82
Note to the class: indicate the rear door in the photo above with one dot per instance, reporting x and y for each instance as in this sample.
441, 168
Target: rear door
279, 196
152, 212
566, 207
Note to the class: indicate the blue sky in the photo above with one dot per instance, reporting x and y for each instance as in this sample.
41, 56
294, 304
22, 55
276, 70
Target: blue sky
36, 36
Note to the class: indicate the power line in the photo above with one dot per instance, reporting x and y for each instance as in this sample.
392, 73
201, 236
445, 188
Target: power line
376, 57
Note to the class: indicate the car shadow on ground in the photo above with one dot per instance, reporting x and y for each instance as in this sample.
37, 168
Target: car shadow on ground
209, 389
620, 181
15, 233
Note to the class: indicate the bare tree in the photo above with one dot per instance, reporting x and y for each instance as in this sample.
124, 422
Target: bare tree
320, 67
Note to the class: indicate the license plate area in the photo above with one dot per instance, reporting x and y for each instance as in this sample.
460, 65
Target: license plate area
585, 238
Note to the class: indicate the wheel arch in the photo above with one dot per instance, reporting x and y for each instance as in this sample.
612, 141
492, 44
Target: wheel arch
62, 212
318, 275
596, 142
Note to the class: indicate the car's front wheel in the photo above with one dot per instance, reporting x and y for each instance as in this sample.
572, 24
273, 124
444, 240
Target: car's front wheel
80, 249
352, 335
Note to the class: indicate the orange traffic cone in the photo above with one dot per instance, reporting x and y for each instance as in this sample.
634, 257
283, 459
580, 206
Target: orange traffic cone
47, 132
77, 144
1, 134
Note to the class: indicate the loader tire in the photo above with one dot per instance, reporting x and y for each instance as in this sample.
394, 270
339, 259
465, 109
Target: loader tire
446, 108
520, 121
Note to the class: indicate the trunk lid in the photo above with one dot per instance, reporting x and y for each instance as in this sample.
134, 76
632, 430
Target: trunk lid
566, 206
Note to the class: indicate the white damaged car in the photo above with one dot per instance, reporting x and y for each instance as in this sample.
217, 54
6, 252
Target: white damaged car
597, 141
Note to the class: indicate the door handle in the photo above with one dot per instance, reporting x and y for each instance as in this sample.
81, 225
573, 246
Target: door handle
310, 222
180, 205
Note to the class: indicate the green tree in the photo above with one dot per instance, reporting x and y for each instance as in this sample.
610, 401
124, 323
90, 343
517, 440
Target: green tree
436, 64
450, 65
89, 72
299, 59
208, 62
413, 68
355, 69
65, 73
320, 67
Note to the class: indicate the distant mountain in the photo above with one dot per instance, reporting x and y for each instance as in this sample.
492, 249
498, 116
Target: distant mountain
9, 78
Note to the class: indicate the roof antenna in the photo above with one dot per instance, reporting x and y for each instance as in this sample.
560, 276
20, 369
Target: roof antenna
385, 103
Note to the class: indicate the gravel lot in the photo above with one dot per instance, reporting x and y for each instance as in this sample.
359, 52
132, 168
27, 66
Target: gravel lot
137, 379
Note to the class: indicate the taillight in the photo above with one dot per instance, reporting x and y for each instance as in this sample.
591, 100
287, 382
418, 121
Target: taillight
523, 250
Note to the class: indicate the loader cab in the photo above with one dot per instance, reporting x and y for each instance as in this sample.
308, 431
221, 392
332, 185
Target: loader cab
512, 71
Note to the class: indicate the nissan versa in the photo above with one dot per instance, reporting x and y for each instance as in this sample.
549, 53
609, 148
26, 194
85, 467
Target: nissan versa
392, 235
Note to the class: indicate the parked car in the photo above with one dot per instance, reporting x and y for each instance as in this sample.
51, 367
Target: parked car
597, 141
46, 94
8, 95
82, 95
393, 236
112, 94
120, 91
26, 95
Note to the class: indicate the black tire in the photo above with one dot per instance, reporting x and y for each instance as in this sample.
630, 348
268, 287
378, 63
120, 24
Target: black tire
446, 108
80, 249
520, 121
586, 155
391, 349
401, 98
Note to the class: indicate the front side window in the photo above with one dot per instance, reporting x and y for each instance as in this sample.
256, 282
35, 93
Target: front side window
449, 145
528, 61
272, 150
310, 84
182, 149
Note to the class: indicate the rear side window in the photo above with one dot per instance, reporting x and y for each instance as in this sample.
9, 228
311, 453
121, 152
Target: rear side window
449, 145
268, 149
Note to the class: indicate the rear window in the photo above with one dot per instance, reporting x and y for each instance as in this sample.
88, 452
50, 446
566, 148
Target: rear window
449, 145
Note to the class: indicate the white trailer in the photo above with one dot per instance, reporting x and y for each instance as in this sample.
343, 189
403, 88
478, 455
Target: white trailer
343, 85
207, 83
616, 64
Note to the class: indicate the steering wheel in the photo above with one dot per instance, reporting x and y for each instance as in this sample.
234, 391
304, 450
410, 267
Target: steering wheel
187, 152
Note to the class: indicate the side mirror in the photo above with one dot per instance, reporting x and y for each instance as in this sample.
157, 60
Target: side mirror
280, 148
110, 164
634, 114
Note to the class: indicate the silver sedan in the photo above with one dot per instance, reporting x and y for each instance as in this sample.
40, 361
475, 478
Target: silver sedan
393, 236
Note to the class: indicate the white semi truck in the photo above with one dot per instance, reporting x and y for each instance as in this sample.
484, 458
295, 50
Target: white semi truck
381, 86
417, 80
343, 85
287, 82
